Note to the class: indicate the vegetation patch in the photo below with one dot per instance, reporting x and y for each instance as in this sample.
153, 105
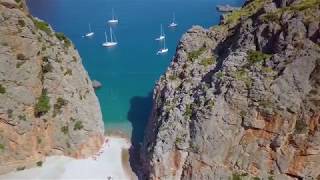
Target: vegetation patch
58, 106
2, 147
39, 163
78, 125
47, 67
172, 77
22, 117
63, 38
10, 113
256, 56
207, 61
220, 74
188, 112
21, 23
194, 148
248, 10
242, 75
210, 103
21, 56
39, 140
43, 104
65, 130
68, 72
179, 140
21, 168
237, 176
41, 25
301, 127
192, 56
2, 89
19, 64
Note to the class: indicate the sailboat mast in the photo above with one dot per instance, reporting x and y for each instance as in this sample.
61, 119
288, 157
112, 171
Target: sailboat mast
174, 17
161, 30
89, 28
105, 34
164, 44
112, 14
111, 34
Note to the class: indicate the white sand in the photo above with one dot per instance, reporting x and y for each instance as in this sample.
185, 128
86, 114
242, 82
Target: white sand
107, 164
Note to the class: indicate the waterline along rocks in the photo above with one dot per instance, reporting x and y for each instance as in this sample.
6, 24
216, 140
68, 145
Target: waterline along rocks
241, 100
47, 102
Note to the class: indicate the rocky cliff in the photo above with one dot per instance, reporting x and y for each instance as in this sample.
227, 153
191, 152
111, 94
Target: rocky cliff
241, 100
47, 103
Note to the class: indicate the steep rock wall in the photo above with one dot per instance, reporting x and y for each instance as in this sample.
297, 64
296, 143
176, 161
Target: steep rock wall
241, 100
47, 103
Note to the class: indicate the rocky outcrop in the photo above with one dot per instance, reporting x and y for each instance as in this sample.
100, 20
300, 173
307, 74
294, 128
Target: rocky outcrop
47, 102
242, 99
96, 84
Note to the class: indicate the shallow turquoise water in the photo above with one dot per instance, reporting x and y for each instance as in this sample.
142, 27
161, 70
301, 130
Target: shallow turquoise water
129, 71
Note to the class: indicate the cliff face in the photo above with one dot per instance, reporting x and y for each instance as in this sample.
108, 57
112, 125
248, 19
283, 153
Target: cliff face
241, 99
47, 103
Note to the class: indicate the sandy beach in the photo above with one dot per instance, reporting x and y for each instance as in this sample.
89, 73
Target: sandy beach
107, 164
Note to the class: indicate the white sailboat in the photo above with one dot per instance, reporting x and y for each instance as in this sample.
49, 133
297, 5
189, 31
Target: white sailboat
164, 49
162, 36
90, 33
113, 20
110, 43
173, 23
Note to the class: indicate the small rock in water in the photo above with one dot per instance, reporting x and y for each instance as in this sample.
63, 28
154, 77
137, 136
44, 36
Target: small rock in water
226, 8
96, 84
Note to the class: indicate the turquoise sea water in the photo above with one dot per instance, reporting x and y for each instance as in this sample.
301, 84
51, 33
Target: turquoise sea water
129, 71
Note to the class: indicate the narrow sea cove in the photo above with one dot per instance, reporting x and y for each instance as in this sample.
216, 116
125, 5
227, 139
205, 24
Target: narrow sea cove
129, 71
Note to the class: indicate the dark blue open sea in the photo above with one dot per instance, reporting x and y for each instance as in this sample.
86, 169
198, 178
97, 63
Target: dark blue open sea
129, 71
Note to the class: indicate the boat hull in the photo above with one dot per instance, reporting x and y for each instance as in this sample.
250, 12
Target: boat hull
109, 44
160, 38
89, 34
113, 21
173, 25
162, 51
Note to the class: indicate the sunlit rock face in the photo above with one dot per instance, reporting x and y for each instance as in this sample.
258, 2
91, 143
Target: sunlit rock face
242, 99
47, 102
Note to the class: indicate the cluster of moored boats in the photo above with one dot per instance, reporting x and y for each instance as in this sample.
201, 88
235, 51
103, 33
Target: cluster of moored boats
109, 42
112, 41
162, 37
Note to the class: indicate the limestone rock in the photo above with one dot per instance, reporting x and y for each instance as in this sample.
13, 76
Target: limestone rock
96, 84
241, 100
47, 102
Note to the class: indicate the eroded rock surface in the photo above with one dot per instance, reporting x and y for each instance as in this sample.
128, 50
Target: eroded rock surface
242, 99
47, 102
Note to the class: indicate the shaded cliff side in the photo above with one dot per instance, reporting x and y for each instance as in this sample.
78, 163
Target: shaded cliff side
242, 99
47, 103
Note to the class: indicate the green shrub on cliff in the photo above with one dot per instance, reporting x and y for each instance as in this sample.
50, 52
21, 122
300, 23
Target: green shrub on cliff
192, 56
39, 163
63, 38
2, 89
41, 25
78, 125
65, 130
301, 127
58, 106
21, 23
256, 56
1, 147
245, 12
207, 61
43, 104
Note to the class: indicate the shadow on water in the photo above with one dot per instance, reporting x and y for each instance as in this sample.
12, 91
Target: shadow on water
138, 115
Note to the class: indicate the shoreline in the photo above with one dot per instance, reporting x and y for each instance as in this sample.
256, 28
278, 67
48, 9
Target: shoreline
111, 161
